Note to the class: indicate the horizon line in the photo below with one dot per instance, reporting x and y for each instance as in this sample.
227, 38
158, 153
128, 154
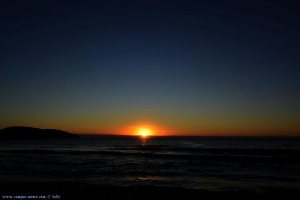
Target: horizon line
185, 134
181, 135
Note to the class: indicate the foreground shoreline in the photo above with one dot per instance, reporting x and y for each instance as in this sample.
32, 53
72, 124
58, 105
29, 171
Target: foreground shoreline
65, 191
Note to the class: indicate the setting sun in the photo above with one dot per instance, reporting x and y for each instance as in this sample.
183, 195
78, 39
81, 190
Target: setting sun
143, 132
143, 129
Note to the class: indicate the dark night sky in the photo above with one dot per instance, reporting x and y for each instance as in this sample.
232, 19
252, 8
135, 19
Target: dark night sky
190, 67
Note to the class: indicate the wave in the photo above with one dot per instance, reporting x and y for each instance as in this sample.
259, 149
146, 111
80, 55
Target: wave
233, 151
161, 151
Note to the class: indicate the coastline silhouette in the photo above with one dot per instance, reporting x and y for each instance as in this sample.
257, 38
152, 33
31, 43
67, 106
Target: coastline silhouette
29, 133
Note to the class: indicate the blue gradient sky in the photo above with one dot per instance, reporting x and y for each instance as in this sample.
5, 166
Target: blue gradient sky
190, 67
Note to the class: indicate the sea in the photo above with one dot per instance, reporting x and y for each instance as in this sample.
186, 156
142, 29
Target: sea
207, 163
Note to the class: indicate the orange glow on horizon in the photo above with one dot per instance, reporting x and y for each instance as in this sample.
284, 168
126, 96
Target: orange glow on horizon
132, 129
135, 128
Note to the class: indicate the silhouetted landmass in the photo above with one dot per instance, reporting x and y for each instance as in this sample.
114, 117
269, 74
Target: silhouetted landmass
29, 133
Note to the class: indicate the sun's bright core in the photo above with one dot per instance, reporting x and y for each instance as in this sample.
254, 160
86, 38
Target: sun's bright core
143, 132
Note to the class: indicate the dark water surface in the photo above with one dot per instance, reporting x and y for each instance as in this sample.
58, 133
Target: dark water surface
209, 163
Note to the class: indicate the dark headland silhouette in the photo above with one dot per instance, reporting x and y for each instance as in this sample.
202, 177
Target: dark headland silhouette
29, 133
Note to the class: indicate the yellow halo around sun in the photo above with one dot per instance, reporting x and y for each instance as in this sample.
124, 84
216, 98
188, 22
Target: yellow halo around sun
144, 132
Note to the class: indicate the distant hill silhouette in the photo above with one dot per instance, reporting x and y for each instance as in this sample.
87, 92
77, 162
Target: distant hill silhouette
28, 133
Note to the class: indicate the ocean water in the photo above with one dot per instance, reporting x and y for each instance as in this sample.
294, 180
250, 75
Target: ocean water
209, 163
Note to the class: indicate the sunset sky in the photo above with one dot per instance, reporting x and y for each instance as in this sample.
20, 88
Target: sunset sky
176, 67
